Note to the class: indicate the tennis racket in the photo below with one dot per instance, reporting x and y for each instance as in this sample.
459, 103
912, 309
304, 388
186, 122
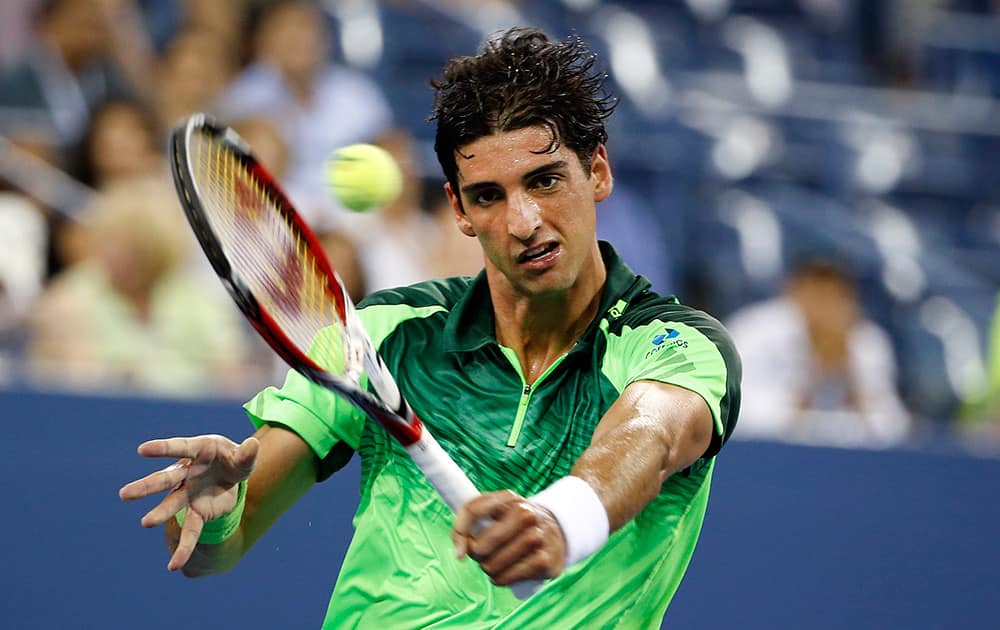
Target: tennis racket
276, 271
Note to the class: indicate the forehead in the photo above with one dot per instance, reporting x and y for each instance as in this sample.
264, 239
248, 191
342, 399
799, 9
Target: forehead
509, 154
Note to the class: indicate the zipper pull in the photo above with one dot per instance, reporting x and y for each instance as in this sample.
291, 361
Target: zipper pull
522, 409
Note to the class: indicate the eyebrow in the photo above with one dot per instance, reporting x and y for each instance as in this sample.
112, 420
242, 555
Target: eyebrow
544, 168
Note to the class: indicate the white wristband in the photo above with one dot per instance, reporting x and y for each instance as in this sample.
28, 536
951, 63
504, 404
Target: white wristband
580, 514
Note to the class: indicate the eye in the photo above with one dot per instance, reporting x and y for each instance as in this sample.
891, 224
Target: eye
545, 182
486, 197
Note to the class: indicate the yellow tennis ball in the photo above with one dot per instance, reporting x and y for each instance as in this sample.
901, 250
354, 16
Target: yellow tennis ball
363, 177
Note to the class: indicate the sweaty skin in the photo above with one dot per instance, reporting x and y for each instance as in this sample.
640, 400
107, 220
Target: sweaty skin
534, 213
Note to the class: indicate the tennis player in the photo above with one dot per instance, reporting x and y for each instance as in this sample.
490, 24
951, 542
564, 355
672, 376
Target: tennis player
587, 408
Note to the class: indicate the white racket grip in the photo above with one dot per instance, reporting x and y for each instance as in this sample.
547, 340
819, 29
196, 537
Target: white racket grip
454, 487
444, 474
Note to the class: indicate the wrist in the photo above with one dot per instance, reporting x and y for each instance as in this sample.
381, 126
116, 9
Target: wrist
580, 514
220, 529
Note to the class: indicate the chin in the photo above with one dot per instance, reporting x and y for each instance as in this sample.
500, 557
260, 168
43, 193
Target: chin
548, 285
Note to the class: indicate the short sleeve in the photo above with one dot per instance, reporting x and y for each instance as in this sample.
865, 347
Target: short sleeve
682, 347
326, 422
329, 424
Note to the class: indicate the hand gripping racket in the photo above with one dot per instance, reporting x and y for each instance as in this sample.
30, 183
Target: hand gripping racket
276, 271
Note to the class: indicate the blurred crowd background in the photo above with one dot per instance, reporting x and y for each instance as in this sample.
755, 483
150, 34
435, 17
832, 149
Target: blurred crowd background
822, 175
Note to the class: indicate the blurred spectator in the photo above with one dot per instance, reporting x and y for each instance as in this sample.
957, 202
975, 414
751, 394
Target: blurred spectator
224, 18
84, 52
15, 29
344, 256
23, 236
981, 414
123, 141
266, 143
192, 73
27, 166
815, 370
992, 409
319, 106
129, 316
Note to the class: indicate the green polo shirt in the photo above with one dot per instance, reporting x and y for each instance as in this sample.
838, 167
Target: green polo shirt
438, 340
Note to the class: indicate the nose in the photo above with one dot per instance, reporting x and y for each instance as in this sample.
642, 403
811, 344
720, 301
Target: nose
524, 217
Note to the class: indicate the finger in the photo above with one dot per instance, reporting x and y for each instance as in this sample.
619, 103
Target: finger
461, 546
489, 506
193, 524
245, 456
508, 522
534, 566
462, 532
167, 508
459, 533
510, 561
170, 447
489, 535
475, 516
159, 481
461, 527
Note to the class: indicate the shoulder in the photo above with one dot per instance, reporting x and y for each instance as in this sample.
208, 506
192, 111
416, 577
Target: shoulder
656, 318
654, 322
652, 308
442, 292
383, 312
658, 338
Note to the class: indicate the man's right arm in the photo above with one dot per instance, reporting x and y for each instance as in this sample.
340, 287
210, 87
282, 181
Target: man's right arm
284, 471
205, 480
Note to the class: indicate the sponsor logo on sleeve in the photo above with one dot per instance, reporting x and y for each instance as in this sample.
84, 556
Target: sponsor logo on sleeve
669, 338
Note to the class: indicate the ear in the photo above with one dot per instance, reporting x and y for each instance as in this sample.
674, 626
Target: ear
461, 220
600, 174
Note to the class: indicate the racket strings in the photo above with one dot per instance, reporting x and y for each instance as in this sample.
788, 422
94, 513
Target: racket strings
271, 255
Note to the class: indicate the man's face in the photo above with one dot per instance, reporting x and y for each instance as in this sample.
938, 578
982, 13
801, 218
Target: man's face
533, 212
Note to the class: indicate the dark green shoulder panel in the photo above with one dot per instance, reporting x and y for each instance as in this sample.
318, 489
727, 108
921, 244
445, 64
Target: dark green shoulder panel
651, 308
444, 292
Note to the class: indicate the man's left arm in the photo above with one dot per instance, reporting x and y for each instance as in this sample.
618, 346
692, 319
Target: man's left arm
652, 431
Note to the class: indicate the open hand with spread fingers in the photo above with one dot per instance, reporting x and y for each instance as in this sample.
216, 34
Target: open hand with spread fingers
205, 480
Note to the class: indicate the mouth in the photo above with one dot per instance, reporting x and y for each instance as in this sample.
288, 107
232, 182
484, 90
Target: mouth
540, 256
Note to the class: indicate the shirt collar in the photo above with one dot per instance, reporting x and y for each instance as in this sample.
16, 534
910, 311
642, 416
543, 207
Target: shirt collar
470, 324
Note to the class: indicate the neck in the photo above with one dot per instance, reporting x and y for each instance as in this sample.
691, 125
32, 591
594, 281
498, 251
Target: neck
140, 299
298, 81
301, 89
56, 49
541, 329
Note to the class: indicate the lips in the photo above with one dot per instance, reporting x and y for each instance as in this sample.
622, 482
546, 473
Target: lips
539, 256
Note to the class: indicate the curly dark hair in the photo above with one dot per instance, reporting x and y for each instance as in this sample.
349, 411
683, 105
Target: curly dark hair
521, 79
